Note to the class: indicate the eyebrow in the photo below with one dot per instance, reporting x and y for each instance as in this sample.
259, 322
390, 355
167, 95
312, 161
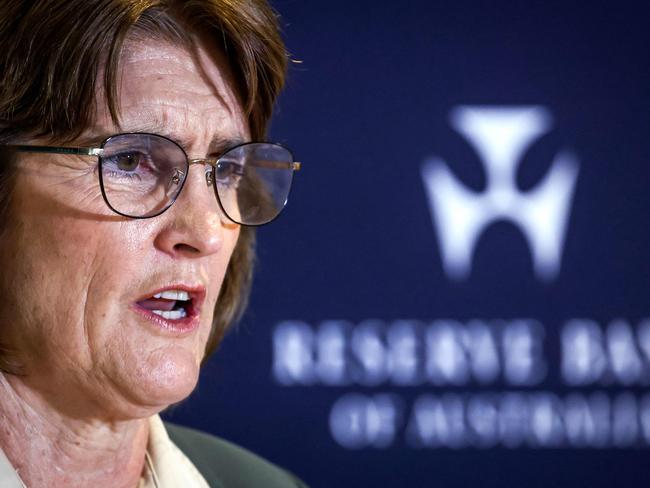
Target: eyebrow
218, 144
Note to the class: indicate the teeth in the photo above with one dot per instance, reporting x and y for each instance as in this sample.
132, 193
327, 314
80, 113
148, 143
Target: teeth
173, 295
172, 314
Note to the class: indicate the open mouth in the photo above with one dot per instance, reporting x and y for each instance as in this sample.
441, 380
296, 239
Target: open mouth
170, 304
173, 307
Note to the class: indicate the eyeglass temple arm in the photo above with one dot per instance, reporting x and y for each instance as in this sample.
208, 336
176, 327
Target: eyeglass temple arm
82, 151
295, 166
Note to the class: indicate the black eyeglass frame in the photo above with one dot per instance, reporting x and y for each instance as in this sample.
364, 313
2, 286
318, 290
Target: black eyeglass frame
210, 180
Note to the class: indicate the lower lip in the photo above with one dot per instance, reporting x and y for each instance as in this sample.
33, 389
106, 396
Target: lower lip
180, 326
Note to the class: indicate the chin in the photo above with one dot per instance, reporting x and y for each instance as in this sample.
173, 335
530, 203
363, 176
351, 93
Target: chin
167, 377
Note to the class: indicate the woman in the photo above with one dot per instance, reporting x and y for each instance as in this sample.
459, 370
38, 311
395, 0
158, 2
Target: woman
128, 194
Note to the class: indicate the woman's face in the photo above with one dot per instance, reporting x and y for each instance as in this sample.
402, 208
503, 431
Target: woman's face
75, 276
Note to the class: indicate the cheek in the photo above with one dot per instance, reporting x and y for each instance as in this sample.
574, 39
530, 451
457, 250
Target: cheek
219, 267
60, 277
43, 289
55, 228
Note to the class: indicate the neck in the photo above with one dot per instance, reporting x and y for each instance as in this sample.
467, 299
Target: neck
49, 449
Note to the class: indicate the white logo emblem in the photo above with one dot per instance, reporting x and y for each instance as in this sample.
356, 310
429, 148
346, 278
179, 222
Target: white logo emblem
501, 137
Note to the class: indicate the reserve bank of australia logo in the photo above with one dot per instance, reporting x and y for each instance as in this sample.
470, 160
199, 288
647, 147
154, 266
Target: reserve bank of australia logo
501, 136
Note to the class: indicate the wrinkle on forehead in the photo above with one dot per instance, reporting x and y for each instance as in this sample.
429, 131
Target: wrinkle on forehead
189, 91
194, 59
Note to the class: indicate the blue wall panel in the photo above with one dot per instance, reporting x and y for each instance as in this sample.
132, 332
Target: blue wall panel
356, 253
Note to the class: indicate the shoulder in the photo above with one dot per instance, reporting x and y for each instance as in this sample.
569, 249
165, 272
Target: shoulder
225, 465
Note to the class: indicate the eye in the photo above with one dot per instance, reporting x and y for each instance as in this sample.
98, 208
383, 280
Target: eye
229, 172
129, 164
127, 161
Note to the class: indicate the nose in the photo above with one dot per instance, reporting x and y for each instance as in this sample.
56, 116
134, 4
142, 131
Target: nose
194, 225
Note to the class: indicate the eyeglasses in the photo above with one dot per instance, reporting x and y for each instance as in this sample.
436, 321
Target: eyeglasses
141, 175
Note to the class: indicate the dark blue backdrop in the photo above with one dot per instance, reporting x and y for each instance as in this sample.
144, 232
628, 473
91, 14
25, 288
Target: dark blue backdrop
368, 104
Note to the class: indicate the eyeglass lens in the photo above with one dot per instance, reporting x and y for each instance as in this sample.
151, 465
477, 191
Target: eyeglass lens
142, 174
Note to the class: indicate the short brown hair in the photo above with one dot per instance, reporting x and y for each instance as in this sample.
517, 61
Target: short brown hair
53, 51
